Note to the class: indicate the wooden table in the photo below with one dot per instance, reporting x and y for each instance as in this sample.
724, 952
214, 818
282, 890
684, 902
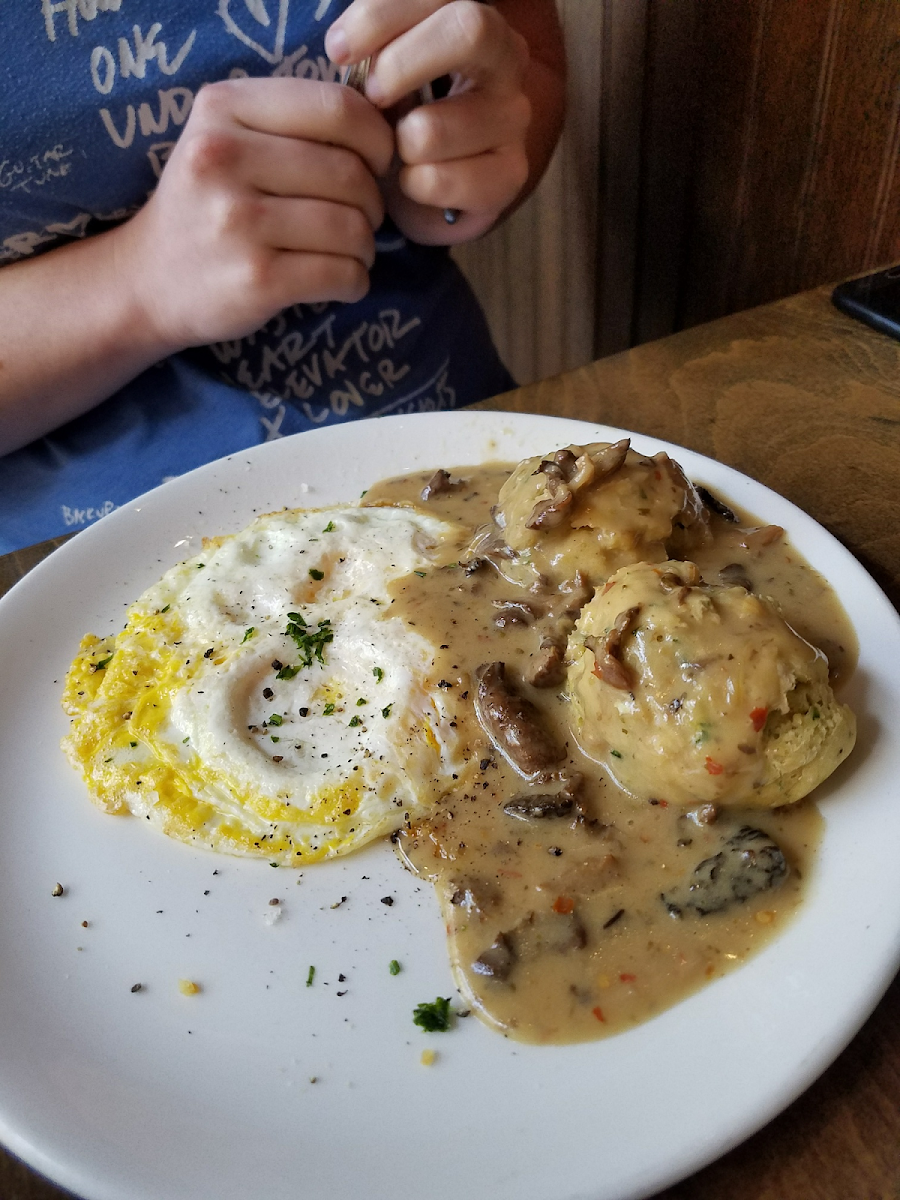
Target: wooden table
808, 401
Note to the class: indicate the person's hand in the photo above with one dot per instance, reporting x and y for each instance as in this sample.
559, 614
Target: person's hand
269, 199
466, 151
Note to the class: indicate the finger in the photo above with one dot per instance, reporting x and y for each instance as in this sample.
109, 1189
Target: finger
464, 39
304, 278
315, 227
368, 25
281, 166
300, 108
488, 181
461, 126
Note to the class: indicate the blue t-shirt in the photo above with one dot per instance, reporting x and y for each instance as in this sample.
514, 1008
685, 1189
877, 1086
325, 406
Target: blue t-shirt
93, 94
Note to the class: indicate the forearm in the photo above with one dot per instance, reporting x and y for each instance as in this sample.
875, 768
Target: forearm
71, 334
269, 199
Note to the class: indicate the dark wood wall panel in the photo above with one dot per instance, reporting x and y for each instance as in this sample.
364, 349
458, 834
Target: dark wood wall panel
794, 179
849, 193
668, 138
718, 154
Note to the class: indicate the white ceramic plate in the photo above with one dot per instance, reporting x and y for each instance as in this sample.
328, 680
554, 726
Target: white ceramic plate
151, 1095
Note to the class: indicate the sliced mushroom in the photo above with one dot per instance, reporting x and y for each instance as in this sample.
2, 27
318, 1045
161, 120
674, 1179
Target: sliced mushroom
670, 581
758, 539
735, 575
549, 514
439, 484
536, 806
540, 806
547, 666
497, 961
537, 934
512, 723
608, 666
514, 612
474, 894
714, 504
571, 597
608, 460
749, 862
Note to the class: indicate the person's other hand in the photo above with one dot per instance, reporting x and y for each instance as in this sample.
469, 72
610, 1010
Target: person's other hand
466, 151
269, 199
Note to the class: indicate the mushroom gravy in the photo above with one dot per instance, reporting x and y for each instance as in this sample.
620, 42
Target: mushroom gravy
565, 910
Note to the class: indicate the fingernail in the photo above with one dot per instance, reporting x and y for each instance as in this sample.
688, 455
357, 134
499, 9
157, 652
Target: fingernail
374, 91
336, 45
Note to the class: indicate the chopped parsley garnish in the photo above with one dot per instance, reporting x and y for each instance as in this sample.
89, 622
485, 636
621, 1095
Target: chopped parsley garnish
378, 673
166, 609
308, 641
354, 721
329, 528
421, 574
276, 719
200, 566
287, 672
360, 702
328, 710
394, 967
310, 976
616, 753
132, 744
103, 663
315, 573
434, 1017
249, 634
386, 712
274, 738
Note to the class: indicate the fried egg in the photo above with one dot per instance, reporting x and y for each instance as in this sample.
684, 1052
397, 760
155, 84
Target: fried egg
262, 699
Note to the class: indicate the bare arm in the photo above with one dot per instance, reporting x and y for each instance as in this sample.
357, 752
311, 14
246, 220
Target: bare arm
484, 147
269, 199
72, 333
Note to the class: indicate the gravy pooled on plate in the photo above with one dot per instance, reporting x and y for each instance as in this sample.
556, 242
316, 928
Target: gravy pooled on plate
575, 908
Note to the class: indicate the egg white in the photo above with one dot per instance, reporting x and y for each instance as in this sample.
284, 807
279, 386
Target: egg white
230, 724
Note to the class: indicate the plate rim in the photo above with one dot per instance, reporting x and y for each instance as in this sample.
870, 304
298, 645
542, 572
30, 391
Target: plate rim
98, 535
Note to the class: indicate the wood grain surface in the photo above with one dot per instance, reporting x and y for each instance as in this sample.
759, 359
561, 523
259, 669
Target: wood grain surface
807, 401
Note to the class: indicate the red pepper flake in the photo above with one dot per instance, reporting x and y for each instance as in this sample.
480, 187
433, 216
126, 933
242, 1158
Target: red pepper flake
713, 767
598, 1013
758, 717
627, 977
563, 905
